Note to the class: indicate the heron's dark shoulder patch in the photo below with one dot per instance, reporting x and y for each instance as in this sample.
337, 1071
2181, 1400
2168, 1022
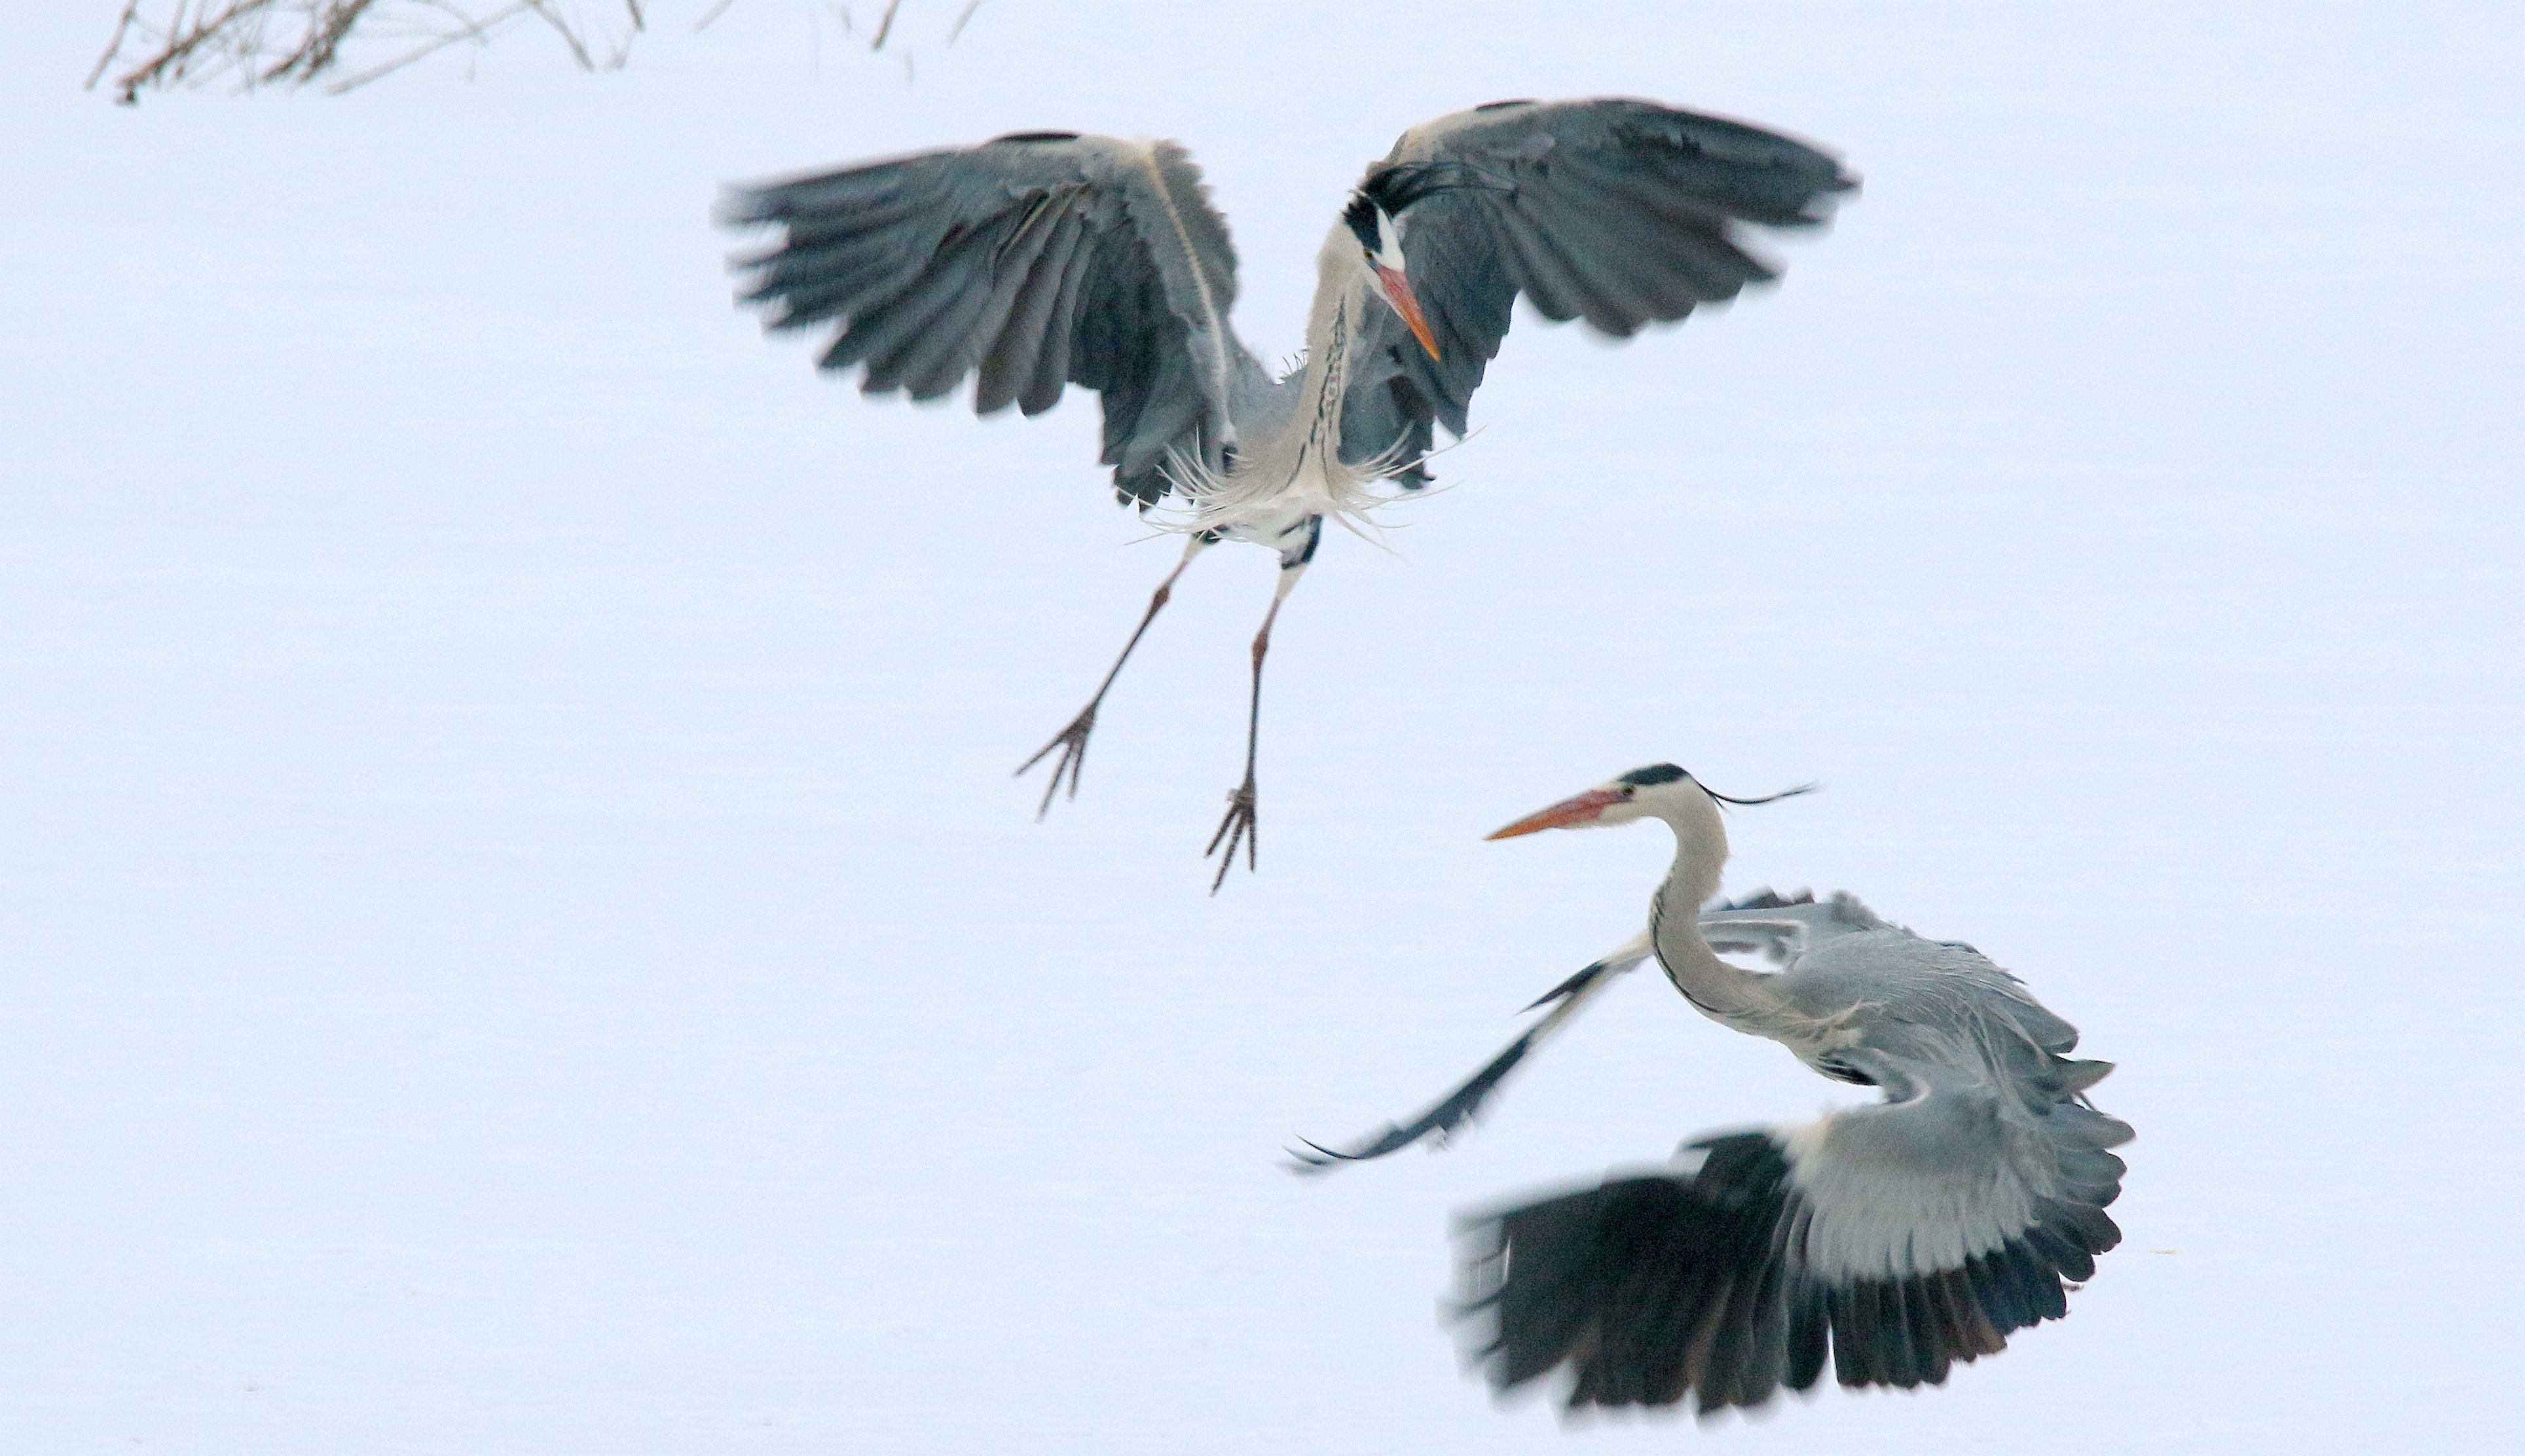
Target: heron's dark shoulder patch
1500, 106
1654, 773
1037, 136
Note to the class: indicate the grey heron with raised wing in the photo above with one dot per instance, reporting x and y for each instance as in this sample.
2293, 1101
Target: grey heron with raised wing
1900, 1237
1046, 258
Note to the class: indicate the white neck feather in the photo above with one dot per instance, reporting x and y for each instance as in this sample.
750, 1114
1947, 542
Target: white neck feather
1297, 470
1332, 327
1728, 992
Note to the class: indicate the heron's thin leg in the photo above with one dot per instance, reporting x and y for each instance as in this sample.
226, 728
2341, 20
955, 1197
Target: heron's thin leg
1072, 740
1238, 828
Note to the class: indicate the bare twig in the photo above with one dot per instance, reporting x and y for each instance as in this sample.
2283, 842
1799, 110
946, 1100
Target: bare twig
181, 43
477, 31
345, 45
163, 44
121, 28
324, 44
568, 37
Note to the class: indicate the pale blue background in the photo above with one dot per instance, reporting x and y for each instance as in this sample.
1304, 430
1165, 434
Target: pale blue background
524, 941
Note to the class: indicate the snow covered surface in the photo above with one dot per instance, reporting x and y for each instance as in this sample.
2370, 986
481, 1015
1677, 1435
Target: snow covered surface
523, 939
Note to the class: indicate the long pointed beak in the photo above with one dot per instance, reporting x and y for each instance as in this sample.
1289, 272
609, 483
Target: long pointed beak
1398, 292
1582, 809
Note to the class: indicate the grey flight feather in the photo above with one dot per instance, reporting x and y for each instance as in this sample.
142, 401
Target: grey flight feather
1702, 1281
1623, 213
1035, 262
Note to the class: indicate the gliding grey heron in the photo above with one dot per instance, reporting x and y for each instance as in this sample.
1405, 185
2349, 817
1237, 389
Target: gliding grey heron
1046, 258
1900, 1236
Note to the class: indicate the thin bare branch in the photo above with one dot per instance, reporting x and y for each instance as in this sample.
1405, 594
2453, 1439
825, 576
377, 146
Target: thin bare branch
122, 27
478, 32
568, 37
324, 44
345, 45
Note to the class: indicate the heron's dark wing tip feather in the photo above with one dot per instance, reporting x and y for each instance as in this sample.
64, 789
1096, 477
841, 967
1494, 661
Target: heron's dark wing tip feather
1587, 976
1654, 1290
1453, 1112
1317, 1158
1650, 1289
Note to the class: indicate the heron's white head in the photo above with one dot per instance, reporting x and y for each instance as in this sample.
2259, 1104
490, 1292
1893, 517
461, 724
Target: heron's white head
1659, 790
1380, 243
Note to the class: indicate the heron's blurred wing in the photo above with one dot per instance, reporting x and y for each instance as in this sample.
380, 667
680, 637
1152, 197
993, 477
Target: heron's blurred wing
1035, 261
1622, 213
1899, 1239
1465, 1102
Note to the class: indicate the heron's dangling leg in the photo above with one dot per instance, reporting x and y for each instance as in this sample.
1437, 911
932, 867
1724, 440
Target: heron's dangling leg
1238, 828
1072, 740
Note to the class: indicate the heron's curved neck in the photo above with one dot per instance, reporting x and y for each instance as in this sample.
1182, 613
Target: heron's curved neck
1726, 991
1332, 327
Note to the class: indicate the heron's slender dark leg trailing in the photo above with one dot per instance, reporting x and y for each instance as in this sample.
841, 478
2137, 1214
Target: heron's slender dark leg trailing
1238, 828
1072, 740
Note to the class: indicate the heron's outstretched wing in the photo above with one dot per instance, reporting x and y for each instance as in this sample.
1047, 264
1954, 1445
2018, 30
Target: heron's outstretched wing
1622, 213
1782, 928
1038, 260
1899, 1239
1465, 1103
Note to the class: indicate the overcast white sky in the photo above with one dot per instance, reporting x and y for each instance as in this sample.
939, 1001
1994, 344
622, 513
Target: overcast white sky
522, 941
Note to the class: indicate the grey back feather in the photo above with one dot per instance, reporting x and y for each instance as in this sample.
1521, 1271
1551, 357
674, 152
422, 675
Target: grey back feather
1782, 929
1981, 1129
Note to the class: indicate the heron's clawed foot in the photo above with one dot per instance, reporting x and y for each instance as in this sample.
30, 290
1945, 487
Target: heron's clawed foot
1073, 742
1234, 829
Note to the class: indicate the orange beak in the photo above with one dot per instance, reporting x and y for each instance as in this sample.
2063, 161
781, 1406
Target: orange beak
1398, 292
1582, 809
